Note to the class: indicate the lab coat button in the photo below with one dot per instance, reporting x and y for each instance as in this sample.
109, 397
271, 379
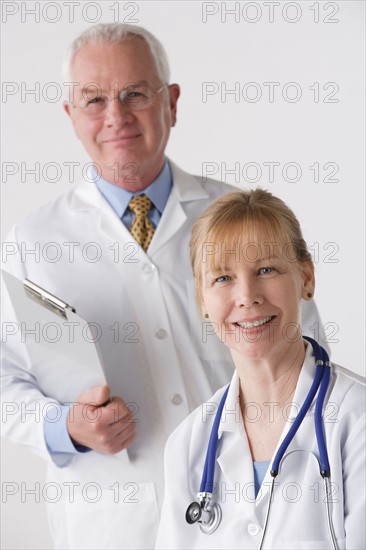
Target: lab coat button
148, 268
176, 399
160, 334
253, 529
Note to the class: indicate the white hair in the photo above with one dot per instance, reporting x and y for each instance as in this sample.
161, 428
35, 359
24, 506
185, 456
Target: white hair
117, 32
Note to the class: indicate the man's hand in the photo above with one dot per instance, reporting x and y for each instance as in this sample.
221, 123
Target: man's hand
101, 423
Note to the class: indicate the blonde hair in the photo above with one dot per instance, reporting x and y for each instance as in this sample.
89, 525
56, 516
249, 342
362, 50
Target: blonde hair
248, 217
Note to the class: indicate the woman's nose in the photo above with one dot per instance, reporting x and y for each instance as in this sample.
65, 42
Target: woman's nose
248, 294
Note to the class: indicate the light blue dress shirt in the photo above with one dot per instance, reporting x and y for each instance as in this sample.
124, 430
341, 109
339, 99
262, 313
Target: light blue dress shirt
158, 192
259, 469
56, 435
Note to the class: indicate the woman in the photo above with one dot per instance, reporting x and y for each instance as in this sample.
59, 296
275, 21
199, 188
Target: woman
252, 270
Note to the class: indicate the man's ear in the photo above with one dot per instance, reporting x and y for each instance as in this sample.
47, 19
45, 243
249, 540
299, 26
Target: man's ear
308, 276
67, 108
69, 111
174, 93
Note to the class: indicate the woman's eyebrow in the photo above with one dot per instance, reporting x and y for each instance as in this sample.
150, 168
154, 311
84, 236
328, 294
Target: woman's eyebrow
217, 270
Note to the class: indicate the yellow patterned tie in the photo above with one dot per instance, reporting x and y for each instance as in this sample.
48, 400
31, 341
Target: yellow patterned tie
141, 229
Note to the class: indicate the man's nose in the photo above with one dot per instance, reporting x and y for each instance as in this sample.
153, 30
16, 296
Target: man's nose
116, 113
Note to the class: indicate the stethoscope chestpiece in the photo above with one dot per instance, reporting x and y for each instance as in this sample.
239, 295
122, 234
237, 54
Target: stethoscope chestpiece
208, 517
213, 521
193, 513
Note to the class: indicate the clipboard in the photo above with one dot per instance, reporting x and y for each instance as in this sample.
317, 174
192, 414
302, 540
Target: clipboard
64, 355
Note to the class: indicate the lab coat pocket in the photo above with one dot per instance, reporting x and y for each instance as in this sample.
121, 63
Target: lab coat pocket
124, 515
313, 545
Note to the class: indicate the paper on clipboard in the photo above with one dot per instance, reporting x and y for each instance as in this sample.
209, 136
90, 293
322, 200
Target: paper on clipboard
62, 346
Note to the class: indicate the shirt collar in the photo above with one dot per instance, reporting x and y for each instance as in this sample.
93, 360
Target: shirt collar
118, 198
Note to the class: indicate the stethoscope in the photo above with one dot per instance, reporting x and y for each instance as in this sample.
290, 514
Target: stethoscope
208, 514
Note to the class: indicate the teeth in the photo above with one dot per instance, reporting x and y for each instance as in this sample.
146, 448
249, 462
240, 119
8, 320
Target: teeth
253, 324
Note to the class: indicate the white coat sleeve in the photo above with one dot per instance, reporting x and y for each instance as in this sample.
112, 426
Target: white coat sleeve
354, 484
24, 406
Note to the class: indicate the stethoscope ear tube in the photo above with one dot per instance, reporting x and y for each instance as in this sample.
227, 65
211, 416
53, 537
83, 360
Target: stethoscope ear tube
318, 415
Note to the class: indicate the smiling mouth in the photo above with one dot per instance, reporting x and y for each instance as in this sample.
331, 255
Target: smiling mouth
256, 323
122, 138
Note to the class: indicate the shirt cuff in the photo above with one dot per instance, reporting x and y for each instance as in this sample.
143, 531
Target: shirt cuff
55, 432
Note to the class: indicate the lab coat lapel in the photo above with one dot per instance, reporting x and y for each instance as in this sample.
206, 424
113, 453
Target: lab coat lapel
185, 188
88, 198
171, 220
234, 458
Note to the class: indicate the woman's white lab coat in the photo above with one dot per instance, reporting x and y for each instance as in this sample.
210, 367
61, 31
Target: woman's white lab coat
298, 513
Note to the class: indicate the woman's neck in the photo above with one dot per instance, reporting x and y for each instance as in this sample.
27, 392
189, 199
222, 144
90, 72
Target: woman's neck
265, 389
270, 380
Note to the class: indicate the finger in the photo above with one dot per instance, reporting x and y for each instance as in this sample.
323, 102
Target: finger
121, 429
98, 395
126, 429
117, 411
125, 439
115, 442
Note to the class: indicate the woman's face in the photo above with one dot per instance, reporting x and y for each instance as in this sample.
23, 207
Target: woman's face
253, 297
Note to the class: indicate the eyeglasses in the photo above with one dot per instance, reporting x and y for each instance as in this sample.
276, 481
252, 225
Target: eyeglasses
135, 98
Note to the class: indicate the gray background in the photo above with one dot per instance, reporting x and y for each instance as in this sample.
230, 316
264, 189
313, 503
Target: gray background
228, 51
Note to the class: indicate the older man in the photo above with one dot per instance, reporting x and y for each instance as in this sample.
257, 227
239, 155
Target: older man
136, 208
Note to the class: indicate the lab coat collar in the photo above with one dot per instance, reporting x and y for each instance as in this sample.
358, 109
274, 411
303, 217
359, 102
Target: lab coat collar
187, 188
87, 198
231, 415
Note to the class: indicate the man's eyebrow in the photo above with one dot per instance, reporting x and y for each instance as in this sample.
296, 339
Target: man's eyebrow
94, 87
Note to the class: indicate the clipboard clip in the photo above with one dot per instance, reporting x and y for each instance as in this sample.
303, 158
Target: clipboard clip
46, 299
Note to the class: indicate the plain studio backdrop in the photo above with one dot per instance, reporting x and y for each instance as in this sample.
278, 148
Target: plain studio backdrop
272, 95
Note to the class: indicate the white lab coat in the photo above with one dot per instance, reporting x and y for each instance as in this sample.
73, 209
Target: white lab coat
152, 344
298, 515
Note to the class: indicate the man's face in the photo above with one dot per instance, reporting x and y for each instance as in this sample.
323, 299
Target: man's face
127, 145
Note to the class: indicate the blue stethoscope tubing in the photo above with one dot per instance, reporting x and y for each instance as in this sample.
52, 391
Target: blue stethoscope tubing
211, 514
